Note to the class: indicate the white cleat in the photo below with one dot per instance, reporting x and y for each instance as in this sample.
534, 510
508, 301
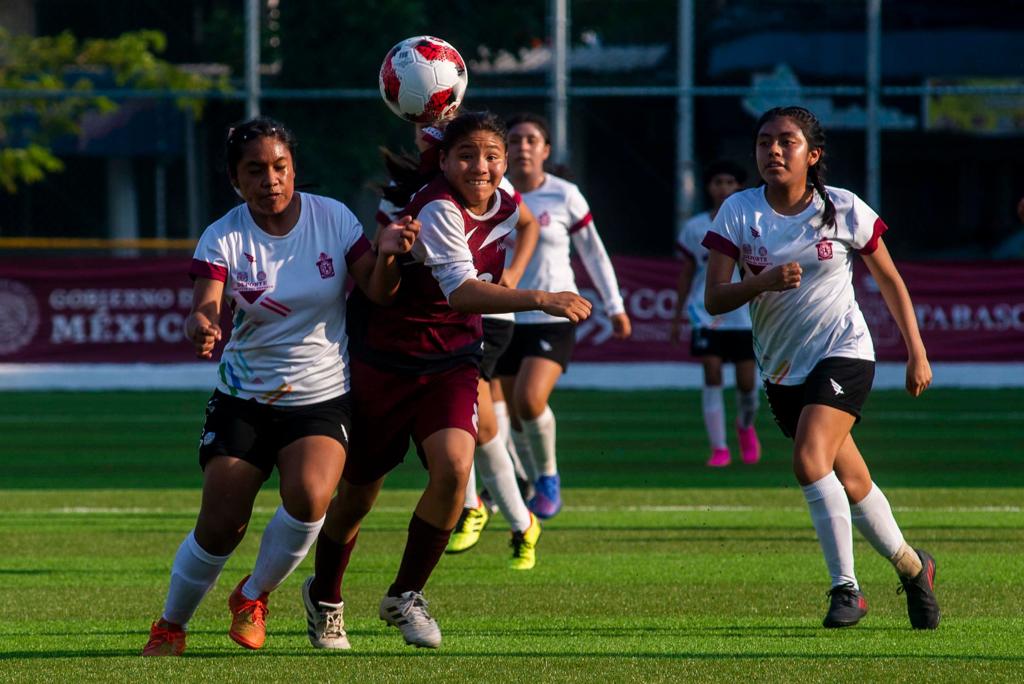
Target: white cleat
325, 622
408, 613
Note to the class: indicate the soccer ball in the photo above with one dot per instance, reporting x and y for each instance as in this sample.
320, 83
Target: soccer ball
423, 79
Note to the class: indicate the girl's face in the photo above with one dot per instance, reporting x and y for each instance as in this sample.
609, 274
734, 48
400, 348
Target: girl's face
783, 155
265, 176
474, 166
721, 186
527, 149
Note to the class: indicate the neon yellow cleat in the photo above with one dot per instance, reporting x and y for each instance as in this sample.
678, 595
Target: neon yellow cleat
524, 546
467, 530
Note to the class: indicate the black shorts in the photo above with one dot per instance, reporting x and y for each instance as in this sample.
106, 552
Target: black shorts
497, 337
837, 382
255, 432
729, 345
553, 341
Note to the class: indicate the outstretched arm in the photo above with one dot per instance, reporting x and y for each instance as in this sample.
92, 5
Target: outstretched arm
682, 294
897, 299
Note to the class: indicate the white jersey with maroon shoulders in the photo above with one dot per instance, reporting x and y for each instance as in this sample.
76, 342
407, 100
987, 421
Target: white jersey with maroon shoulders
288, 344
420, 332
795, 329
565, 220
688, 245
388, 212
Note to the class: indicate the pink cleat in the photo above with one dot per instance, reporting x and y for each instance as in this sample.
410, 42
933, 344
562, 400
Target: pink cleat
719, 458
750, 447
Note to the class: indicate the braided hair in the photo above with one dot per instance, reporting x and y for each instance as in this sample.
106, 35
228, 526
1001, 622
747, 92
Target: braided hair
815, 136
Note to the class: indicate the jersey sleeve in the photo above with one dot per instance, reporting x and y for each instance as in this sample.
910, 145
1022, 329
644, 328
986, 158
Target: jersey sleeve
579, 211
209, 260
866, 227
595, 259
442, 235
724, 234
353, 240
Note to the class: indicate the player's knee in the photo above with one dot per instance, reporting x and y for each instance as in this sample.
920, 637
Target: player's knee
531, 403
486, 431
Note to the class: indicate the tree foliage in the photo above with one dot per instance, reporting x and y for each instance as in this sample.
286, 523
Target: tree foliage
35, 69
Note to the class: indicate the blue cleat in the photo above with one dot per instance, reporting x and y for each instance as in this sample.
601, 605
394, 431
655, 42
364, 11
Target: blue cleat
547, 500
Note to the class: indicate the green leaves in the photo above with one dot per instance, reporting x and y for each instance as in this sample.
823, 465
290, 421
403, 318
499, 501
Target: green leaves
45, 68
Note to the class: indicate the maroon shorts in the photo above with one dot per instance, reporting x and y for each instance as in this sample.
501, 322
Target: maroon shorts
389, 408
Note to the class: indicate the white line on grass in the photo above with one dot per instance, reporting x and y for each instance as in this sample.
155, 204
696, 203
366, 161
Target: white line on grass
138, 510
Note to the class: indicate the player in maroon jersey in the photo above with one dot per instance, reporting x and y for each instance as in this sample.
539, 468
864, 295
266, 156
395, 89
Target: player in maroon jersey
415, 371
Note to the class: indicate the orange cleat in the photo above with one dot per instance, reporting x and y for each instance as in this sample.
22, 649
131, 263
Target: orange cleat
248, 618
165, 639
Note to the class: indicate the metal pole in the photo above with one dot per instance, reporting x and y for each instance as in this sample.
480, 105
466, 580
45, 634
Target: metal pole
559, 81
191, 177
686, 185
252, 58
160, 199
874, 92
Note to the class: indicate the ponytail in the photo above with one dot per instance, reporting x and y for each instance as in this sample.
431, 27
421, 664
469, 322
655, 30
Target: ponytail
828, 216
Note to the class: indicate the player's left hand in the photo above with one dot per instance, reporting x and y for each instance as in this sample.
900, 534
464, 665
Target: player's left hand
919, 375
621, 327
510, 278
398, 237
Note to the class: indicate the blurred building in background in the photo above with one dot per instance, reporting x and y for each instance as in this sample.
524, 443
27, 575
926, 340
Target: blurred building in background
950, 178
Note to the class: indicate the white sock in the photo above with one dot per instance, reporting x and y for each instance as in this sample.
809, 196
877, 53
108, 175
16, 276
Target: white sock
830, 513
499, 477
193, 574
286, 541
540, 432
522, 444
714, 415
504, 431
472, 498
873, 517
746, 407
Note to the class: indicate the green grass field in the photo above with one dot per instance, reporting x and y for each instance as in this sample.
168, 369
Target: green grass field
658, 569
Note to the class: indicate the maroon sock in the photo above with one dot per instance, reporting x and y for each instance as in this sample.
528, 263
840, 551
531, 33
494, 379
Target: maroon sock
423, 550
331, 560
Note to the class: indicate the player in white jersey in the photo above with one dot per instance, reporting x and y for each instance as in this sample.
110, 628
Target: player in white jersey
495, 460
280, 260
542, 345
795, 240
717, 339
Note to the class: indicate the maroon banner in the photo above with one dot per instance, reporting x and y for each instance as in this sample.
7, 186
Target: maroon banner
133, 310
85, 310
966, 312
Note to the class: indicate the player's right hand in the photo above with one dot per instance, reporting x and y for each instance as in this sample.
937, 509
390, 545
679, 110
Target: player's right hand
398, 237
782, 277
204, 338
566, 305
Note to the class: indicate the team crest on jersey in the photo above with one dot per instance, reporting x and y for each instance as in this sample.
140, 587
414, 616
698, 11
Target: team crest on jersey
326, 266
824, 250
754, 232
544, 219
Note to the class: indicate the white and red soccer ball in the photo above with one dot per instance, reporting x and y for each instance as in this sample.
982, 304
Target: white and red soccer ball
423, 79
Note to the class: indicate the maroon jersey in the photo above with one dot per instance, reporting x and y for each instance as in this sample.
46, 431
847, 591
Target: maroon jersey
419, 332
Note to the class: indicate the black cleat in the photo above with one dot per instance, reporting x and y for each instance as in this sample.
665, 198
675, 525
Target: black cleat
847, 606
922, 607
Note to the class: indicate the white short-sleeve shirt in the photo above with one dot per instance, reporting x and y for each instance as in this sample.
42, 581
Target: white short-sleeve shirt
288, 344
795, 329
689, 244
